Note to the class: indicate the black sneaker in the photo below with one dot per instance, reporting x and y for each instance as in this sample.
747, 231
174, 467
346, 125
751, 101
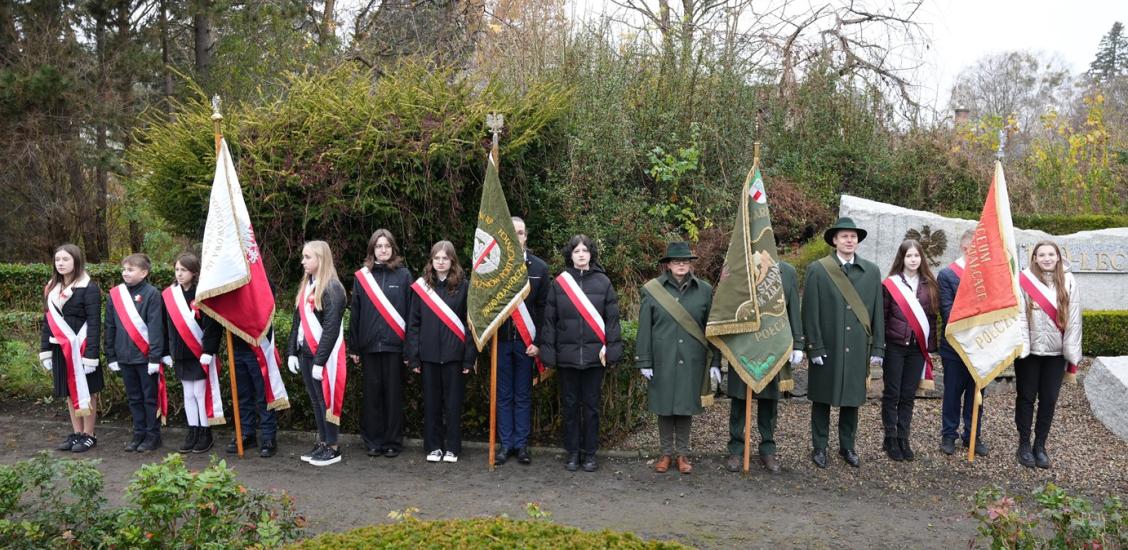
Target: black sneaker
312, 452
523, 456
500, 457
248, 442
131, 447
268, 448
391, 452
375, 452
590, 465
150, 443
948, 445
204, 442
327, 456
84, 443
573, 463
190, 439
68, 443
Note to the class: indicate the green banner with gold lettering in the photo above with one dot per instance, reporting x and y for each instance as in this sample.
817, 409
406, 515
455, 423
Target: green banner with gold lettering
748, 321
499, 280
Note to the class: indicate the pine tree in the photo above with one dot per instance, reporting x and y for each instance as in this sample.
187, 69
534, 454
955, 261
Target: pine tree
1112, 56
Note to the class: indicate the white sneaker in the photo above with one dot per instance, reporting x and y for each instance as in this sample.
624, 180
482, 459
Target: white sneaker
435, 456
450, 457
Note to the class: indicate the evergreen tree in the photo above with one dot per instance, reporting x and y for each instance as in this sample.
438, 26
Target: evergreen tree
1112, 56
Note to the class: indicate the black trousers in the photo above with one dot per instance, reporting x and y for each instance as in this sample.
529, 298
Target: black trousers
1037, 378
326, 431
581, 391
901, 372
443, 388
141, 389
381, 410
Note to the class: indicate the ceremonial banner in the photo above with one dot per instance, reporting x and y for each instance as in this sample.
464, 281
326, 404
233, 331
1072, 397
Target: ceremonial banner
748, 320
983, 325
233, 288
499, 280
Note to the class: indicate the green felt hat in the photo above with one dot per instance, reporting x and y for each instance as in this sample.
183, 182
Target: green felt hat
842, 224
678, 250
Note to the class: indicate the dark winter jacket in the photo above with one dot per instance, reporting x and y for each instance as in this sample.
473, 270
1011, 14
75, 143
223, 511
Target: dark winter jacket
84, 306
566, 339
949, 283
539, 281
187, 365
119, 347
368, 331
330, 316
897, 328
429, 340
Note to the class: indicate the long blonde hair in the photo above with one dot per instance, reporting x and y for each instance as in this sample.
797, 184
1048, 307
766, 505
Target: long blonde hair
325, 272
1059, 282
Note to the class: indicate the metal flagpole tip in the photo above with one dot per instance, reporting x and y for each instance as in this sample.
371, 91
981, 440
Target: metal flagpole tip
215, 108
1002, 144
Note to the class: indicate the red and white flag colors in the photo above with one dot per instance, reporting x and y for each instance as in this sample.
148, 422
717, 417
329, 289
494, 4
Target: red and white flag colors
130, 319
587, 310
335, 375
523, 322
1046, 300
439, 308
190, 331
233, 288
907, 301
73, 345
380, 301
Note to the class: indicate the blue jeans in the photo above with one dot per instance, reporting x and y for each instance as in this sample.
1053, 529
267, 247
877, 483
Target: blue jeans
253, 413
959, 398
514, 394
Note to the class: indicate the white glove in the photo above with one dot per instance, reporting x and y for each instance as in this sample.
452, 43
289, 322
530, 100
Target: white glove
818, 360
206, 359
89, 369
796, 357
153, 368
114, 367
48, 364
647, 373
295, 366
166, 360
317, 370
715, 374
877, 360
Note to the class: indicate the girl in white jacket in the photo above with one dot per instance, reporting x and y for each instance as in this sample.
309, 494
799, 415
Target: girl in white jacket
1051, 328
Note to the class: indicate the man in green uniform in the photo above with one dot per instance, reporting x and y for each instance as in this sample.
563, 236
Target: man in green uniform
767, 401
672, 353
844, 322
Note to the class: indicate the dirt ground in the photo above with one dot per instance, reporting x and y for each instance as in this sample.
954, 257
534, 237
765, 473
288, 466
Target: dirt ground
881, 505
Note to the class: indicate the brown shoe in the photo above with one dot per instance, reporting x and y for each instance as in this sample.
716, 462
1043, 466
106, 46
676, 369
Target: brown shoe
663, 464
735, 463
770, 463
684, 466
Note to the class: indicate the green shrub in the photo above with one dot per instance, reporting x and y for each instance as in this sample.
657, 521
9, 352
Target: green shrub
1063, 521
1056, 224
814, 249
21, 285
47, 503
497, 533
1104, 332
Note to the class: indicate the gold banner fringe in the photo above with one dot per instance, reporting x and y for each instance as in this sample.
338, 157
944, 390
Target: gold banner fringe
216, 421
278, 405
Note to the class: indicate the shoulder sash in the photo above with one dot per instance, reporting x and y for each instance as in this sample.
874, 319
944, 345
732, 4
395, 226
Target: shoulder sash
587, 310
523, 322
335, 375
184, 320
130, 319
849, 293
1045, 298
675, 309
73, 346
380, 301
440, 308
914, 313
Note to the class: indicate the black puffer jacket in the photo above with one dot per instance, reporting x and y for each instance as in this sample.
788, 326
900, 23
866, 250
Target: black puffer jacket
566, 339
119, 347
428, 338
897, 329
330, 316
368, 331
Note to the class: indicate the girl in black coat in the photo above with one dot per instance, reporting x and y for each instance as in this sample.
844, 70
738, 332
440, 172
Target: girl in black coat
322, 293
185, 363
571, 345
439, 348
71, 295
376, 342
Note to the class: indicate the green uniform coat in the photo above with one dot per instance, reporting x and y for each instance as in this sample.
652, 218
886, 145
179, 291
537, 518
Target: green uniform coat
834, 331
678, 359
737, 389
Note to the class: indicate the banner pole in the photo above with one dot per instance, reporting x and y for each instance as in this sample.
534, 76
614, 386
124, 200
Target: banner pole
493, 398
747, 428
974, 423
217, 122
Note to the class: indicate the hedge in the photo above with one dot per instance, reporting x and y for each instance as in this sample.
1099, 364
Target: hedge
1056, 224
497, 533
1104, 332
21, 285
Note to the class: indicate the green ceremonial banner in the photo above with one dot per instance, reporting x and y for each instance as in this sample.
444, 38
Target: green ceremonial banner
499, 280
748, 321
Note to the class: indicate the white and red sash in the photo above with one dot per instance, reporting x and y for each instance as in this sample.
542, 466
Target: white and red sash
73, 345
183, 317
523, 321
381, 302
440, 308
269, 363
130, 320
1046, 299
957, 266
914, 313
333, 379
587, 310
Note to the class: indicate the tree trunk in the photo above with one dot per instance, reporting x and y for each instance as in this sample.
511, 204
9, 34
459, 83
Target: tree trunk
328, 22
166, 66
204, 38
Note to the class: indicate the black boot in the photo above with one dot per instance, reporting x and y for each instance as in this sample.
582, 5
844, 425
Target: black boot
204, 442
190, 439
573, 463
1041, 459
1024, 454
893, 449
906, 449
